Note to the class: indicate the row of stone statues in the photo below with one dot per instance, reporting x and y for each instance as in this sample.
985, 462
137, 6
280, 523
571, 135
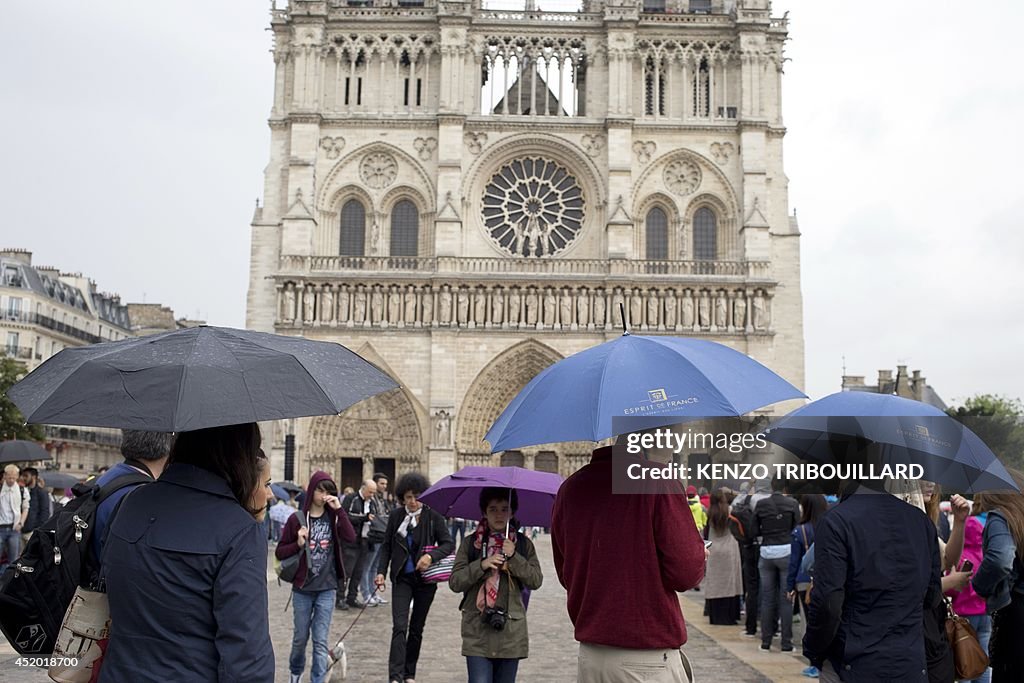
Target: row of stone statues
654, 308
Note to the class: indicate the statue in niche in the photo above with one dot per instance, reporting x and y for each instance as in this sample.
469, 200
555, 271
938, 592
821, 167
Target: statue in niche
531, 306
427, 301
670, 309
445, 305
308, 304
463, 306
359, 306
327, 304
760, 311
599, 303
442, 429
565, 307
343, 301
636, 308
721, 311
704, 310
687, 310
497, 306
410, 304
376, 306
618, 311
653, 306
739, 311
288, 312
550, 305
374, 237
480, 306
583, 307
394, 305
514, 303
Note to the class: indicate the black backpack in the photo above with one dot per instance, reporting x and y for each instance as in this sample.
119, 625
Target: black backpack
744, 515
35, 590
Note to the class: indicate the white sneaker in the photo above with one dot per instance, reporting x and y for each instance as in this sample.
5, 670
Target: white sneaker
295, 678
379, 600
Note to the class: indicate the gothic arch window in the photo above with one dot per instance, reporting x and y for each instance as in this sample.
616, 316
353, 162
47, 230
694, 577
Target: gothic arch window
702, 89
705, 234
405, 229
513, 459
656, 235
654, 87
353, 228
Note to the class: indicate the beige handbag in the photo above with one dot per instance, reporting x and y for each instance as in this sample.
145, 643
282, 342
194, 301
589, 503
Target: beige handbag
77, 653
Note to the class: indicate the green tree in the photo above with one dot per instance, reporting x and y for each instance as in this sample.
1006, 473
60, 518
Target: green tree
999, 422
12, 422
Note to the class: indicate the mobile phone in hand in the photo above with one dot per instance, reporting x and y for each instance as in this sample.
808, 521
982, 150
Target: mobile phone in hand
708, 544
967, 566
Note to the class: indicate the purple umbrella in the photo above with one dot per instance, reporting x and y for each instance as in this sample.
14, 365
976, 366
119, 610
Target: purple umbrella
458, 495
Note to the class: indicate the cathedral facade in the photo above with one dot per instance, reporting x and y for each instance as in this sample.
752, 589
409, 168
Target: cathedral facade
465, 195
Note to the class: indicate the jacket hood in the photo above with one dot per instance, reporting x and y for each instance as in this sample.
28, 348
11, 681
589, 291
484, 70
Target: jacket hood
763, 486
314, 481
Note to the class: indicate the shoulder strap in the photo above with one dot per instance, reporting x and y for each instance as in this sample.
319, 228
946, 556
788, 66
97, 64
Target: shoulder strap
803, 530
107, 490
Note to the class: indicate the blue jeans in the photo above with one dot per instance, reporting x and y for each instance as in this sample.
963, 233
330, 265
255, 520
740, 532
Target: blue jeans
486, 670
366, 584
313, 612
774, 601
982, 625
10, 542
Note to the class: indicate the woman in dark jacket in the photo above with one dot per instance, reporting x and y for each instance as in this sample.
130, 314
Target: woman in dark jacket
411, 528
185, 566
492, 568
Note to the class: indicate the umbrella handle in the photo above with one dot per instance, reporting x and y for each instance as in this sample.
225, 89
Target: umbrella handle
622, 314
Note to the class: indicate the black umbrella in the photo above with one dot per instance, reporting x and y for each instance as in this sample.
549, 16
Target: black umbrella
58, 480
196, 378
22, 451
289, 486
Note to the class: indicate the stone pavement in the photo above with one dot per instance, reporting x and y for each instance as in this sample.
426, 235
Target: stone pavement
718, 653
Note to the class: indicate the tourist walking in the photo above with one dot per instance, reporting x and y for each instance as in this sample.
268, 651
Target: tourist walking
40, 507
622, 559
371, 596
492, 571
185, 568
14, 510
813, 506
361, 507
1000, 578
775, 517
750, 546
416, 538
723, 579
966, 602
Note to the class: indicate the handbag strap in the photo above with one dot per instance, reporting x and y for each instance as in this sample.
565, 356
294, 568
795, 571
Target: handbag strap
803, 530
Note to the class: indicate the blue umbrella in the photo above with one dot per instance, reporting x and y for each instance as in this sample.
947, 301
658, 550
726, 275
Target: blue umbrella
909, 432
280, 492
662, 379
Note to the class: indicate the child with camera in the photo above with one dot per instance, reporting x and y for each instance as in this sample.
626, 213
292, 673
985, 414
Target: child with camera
492, 570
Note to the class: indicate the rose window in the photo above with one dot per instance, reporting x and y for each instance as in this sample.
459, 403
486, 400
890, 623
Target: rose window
533, 207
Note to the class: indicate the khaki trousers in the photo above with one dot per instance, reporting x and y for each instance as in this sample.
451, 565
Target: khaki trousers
601, 664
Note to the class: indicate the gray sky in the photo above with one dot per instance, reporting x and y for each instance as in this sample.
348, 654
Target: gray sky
134, 140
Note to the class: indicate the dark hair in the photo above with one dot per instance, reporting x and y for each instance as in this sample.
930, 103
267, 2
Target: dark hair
377, 476
327, 486
718, 512
411, 481
229, 452
814, 507
31, 471
499, 493
139, 445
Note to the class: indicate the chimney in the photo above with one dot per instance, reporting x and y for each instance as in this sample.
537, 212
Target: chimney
884, 377
22, 256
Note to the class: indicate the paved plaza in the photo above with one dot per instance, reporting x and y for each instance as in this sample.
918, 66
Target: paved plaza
718, 653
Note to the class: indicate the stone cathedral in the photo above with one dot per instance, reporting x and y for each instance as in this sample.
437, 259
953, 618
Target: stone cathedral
465, 195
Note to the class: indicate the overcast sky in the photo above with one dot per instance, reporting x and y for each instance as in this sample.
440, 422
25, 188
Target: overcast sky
134, 139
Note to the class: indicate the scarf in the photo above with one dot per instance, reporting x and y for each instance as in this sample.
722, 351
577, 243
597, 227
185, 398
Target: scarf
488, 594
410, 521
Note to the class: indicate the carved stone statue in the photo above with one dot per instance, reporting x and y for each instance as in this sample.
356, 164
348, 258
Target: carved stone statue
410, 305
760, 312
428, 305
687, 310
442, 429
599, 303
550, 304
288, 307
739, 311
617, 312
653, 306
327, 304
583, 307
480, 306
498, 306
704, 310
531, 306
514, 303
308, 304
394, 305
670, 309
359, 306
462, 306
343, 304
565, 307
376, 306
721, 311
445, 305
636, 308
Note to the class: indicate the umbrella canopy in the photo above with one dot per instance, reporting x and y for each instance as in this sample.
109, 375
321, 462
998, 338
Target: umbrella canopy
662, 379
458, 495
17, 450
909, 432
280, 492
196, 378
289, 487
59, 480
281, 512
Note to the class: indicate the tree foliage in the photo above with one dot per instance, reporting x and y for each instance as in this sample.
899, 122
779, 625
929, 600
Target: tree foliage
999, 422
12, 422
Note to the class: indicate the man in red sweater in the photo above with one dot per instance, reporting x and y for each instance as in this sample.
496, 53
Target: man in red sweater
622, 558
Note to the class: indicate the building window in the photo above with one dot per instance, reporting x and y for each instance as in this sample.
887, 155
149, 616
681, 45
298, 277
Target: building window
405, 229
657, 235
654, 89
12, 344
702, 90
705, 235
353, 228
